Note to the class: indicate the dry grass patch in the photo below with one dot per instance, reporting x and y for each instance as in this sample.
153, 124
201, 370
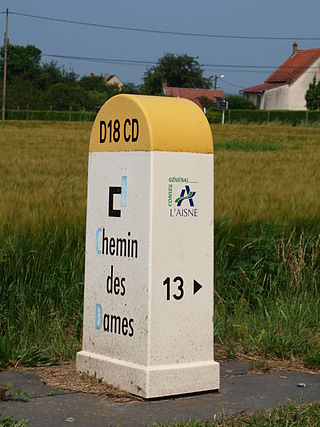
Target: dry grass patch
268, 186
43, 170
66, 377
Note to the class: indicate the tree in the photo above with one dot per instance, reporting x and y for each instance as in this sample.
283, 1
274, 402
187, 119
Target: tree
174, 70
51, 75
96, 99
24, 75
130, 88
93, 82
236, 102
313, 95
22, 92
70, 77
63, 95
23, 61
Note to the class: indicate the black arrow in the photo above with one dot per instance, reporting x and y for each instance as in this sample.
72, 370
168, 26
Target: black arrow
196, 287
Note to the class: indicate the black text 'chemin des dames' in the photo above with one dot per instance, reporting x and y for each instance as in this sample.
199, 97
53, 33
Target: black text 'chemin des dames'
115, 246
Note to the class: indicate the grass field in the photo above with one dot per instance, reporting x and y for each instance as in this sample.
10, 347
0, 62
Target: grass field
283, 416
267, 241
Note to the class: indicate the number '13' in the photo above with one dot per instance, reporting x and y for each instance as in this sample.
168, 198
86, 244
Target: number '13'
180, 292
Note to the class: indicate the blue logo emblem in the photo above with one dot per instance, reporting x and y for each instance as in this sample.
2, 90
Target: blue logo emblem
186, 194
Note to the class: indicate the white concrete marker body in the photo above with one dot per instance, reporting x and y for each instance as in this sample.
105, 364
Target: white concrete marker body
148, 310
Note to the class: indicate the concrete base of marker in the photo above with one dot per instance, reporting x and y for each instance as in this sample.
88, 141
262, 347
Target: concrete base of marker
151, 382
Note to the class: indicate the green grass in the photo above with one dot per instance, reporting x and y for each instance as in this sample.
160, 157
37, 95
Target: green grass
10, 422
267, 294
283, 416
41, 304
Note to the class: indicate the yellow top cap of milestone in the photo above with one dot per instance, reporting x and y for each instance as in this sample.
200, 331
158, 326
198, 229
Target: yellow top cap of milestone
150, 123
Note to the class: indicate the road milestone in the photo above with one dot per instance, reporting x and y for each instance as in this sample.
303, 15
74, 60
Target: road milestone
148, 305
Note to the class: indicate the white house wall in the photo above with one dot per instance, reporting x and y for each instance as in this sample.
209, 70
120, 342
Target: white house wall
275, 99
299, 88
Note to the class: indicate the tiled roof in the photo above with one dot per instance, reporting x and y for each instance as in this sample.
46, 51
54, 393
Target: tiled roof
294, 66
261, 88
289, 71
193, 94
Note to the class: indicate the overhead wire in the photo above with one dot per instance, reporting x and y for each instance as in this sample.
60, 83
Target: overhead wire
267, 67
237, 67
248, 68
164, 32
102, 60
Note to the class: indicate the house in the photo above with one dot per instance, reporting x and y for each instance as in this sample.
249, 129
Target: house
286, 87
112, 79
194, 95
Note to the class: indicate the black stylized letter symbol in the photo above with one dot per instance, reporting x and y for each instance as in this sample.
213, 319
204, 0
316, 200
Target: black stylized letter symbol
112, 192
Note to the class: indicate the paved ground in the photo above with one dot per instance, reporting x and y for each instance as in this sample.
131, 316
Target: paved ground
240, 391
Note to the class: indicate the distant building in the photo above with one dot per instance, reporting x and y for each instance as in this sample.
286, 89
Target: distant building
112, 79
286, 87
195, 95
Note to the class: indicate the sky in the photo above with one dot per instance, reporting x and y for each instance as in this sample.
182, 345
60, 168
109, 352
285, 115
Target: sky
293, 19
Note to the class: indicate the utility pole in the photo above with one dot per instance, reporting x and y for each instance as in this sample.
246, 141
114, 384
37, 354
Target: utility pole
215, 82
5, 69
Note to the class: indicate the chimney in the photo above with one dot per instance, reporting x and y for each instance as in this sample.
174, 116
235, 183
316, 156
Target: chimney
295, 48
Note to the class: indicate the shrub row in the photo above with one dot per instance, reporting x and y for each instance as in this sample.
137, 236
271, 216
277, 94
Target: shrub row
87, 116
262, 116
